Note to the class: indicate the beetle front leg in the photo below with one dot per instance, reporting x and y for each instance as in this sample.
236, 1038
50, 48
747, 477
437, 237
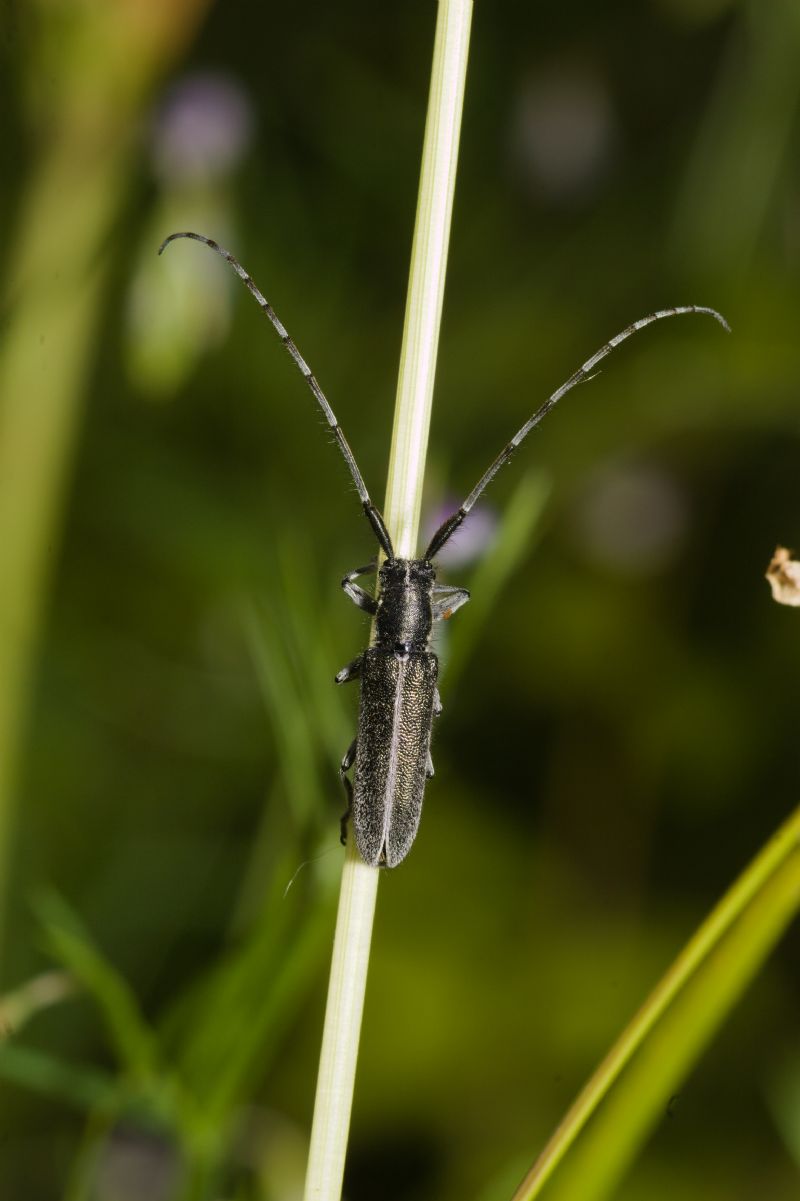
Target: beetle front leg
347, 762
437, 703
351, 672
357, 595
454, 598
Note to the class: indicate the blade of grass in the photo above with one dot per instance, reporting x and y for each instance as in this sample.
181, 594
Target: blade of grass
295, 748
258, 986
357, 897
317, 658
133, 1040
44, 990
79, 1086
746, 139
635, 1080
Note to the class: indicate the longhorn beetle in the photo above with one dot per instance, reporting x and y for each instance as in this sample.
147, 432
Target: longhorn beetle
398, 671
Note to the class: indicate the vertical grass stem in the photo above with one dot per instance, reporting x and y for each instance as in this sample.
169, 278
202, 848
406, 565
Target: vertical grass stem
359, 885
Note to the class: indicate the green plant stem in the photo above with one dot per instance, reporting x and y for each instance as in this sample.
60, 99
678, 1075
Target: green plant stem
412, 413
359, 885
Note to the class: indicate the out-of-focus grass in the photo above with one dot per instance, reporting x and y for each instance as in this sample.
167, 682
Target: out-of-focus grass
516, 538
744, 146
101, 63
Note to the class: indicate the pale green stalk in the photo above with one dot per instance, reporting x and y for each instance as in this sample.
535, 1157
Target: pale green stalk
403, 500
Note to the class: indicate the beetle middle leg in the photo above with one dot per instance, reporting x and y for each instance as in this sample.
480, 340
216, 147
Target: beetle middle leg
347, 762
351, 672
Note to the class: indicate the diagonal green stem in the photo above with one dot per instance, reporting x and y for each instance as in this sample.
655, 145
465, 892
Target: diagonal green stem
359, 885
732, 941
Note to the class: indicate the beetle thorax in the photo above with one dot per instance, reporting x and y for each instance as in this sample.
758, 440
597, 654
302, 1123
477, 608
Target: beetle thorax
405, 617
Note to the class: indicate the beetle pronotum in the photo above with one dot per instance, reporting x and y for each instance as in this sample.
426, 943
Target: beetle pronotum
398, 671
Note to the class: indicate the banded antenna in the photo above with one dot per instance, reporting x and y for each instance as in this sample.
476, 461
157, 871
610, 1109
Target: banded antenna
373, 515
451, 523
584, 373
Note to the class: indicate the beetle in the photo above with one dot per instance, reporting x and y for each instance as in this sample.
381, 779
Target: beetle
398, 671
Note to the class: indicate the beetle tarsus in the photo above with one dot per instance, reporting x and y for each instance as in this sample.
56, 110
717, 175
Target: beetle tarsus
357, 595
348, 759
351, 672
453, 599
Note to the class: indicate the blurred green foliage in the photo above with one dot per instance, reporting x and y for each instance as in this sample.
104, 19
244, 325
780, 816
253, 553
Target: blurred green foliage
623, 732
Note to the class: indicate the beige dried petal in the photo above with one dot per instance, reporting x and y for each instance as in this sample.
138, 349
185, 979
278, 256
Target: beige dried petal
783, 574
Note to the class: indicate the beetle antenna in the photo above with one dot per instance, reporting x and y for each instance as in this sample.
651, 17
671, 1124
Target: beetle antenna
373, 515
584, 373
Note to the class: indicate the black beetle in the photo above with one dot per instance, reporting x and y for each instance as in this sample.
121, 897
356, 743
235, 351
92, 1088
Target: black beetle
398, 671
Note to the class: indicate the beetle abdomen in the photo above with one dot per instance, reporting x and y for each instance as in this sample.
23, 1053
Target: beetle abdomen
394, 734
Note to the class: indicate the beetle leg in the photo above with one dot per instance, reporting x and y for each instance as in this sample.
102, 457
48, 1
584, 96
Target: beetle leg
347, 762
446, 607
429, 772
357, 595
437, 703
351, 672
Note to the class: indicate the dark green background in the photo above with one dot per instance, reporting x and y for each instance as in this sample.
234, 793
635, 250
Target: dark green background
622, 737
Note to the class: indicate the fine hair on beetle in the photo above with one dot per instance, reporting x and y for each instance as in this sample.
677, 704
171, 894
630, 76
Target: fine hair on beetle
398, 672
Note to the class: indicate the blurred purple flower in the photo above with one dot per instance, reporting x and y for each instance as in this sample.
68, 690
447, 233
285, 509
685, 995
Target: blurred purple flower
563, 132
470, 541
136, 1166
632, 517
202, 129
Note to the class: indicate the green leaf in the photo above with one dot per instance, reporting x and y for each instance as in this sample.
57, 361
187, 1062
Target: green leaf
228, 1031
82, 1087
295, 744
132, 1039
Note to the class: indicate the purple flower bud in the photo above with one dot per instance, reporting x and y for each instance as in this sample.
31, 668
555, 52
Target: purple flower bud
202, 129
470, 541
